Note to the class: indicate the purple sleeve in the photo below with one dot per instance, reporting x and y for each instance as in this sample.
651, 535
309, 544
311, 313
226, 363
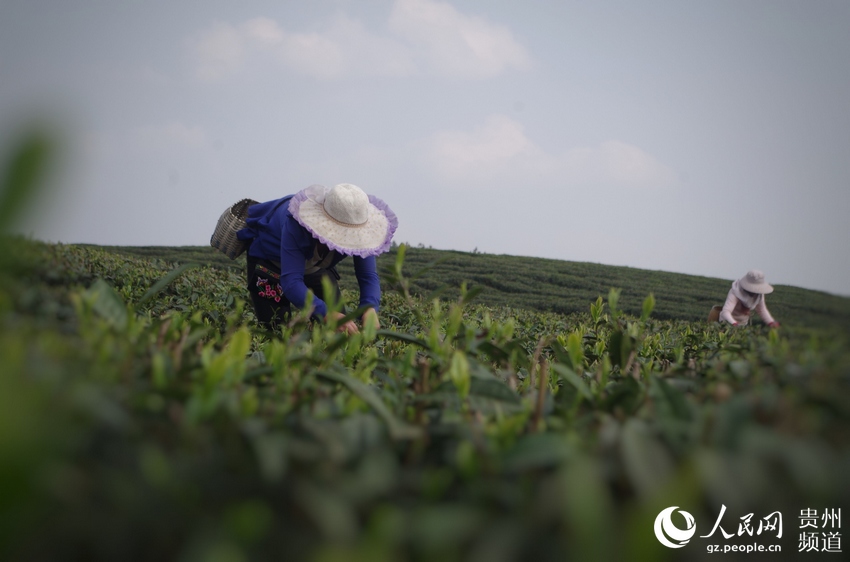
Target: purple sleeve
366, 271
295, 243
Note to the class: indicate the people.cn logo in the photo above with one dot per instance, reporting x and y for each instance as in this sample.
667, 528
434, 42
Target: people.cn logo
664, 528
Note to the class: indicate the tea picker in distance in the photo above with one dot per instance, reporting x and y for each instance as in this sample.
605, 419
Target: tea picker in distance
298, 240
745, 296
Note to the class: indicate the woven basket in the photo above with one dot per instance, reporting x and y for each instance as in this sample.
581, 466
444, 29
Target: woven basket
714, 313
232, 221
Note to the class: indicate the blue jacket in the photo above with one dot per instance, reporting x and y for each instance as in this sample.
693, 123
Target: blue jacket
275, 235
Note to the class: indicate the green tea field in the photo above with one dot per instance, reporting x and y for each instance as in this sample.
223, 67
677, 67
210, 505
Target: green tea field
143, 416
557, 286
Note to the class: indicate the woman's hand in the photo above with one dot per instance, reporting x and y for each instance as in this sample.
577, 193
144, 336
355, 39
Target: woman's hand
348, 327
774, 324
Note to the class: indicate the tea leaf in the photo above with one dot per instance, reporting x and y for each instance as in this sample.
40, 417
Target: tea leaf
108, 304
397, 428
23, 174
165, 281
648, 306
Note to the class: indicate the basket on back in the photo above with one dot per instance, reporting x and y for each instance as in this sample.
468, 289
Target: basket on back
232, 221
714, 313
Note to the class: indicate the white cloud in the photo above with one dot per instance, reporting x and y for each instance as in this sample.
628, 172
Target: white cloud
616, 163
313, 54
500, 153
217, 52
264, 30
317, 54
422, 37
496, 147
345, 48
454, 43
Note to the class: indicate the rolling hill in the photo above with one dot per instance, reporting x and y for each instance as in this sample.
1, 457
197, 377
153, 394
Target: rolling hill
557, 286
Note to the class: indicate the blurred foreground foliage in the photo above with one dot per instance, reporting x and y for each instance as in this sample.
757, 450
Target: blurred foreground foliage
143, 417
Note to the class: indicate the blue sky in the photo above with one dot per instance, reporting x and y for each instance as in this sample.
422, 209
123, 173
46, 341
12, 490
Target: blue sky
698, 137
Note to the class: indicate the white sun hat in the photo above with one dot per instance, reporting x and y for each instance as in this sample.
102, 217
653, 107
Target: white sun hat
345, 219
754, 282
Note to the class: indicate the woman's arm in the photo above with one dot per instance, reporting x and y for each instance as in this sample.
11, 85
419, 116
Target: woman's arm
761, 309
295, 244
366, 271
728, 307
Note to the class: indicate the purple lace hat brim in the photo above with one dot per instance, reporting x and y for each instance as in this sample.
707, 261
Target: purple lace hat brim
392, 225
